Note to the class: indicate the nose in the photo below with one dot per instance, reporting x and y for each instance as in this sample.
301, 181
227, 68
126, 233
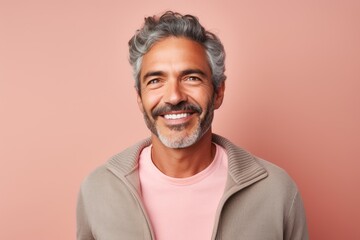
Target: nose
174, 93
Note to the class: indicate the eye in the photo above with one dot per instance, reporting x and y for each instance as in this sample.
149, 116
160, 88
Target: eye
192, 78
153, 81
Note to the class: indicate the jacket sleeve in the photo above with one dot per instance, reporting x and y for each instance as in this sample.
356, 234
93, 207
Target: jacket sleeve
295, 225
83, 226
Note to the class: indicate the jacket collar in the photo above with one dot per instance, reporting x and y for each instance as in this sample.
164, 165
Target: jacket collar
243, 166
244, 169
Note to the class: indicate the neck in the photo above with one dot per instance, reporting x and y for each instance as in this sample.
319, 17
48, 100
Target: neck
183, 162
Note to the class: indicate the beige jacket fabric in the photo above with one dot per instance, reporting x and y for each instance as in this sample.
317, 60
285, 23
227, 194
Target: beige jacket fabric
260, 202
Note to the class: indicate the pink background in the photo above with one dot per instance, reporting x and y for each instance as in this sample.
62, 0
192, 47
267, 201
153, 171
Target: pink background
67, 101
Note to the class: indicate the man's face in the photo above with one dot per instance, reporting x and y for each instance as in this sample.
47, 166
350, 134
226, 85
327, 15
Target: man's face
177, 96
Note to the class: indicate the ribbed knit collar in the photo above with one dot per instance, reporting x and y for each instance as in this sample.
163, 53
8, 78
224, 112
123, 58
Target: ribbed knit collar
243, 167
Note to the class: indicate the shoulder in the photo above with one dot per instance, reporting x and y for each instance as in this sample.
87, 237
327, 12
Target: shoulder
277, 175
97, 182
278, 187
99, 174
117, 167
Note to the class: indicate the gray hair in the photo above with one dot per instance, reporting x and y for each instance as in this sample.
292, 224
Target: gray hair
177, 25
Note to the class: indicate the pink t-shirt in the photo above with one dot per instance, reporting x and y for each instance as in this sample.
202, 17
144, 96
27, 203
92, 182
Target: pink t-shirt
182, 208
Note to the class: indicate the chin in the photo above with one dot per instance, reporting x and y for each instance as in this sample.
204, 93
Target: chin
180, 141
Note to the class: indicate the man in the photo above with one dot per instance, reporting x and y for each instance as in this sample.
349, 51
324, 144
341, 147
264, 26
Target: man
185, 182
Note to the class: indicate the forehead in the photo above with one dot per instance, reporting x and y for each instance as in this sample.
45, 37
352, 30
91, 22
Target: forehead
175, 54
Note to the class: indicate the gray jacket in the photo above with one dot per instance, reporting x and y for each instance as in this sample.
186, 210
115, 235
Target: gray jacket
260, 202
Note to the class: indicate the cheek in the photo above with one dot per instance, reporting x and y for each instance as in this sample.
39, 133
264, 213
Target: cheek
150, 100
202, 97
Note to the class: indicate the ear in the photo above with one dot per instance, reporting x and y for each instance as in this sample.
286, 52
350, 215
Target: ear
139, 101
219, 96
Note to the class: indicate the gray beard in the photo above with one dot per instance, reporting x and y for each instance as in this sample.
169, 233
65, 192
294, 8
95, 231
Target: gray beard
184, 142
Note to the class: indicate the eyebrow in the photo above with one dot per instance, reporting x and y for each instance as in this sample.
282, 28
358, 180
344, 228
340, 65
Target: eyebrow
182, 73
153, 74
193, 71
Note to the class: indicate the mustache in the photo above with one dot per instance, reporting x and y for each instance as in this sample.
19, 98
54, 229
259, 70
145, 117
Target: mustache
182, 106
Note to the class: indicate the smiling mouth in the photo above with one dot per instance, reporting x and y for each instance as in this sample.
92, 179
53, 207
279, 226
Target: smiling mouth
176, 116
179, 112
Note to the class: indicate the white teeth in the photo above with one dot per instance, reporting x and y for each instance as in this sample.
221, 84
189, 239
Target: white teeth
176, 116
